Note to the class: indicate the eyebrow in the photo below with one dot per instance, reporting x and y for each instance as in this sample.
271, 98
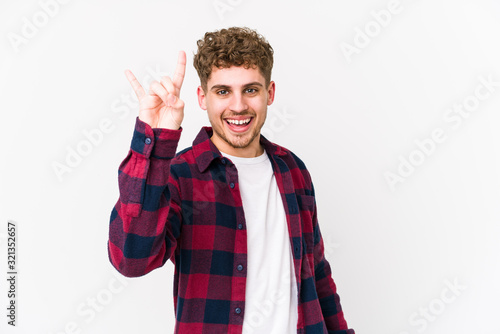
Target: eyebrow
226, 87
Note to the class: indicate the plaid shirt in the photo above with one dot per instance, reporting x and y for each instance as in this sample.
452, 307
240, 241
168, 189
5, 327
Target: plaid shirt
187, 208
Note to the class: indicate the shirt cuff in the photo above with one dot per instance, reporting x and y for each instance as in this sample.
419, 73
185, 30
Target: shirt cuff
157, 143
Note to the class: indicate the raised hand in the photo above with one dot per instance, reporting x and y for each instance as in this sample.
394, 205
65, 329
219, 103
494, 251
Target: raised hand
162, 107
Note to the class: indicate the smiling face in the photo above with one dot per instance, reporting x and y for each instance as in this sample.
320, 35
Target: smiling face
236, 100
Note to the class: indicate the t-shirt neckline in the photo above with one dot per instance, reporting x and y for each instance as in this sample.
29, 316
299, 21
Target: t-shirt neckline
246, 161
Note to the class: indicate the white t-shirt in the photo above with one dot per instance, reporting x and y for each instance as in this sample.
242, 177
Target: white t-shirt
271, 289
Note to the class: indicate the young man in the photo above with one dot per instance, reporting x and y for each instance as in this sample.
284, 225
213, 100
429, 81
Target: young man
235, 213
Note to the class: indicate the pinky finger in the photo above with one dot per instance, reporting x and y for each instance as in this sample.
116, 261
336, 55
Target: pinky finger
136, 86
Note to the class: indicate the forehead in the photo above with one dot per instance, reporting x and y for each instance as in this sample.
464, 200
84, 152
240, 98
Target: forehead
235, 76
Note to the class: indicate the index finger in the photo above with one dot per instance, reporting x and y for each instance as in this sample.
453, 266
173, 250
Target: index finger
180, 70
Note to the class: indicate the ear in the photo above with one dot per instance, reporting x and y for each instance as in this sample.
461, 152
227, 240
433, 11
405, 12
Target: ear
270, 93
201, 98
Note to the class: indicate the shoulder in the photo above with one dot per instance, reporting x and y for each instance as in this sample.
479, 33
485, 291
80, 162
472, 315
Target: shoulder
287, 155
182, 163
185, 153
297, 168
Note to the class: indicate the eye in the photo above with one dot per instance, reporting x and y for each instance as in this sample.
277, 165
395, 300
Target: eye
222, 92
251, 90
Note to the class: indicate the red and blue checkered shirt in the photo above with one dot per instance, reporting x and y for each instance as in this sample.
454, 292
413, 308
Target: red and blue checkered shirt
186, 207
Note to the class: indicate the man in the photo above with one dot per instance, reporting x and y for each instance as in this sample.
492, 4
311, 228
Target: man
235, 213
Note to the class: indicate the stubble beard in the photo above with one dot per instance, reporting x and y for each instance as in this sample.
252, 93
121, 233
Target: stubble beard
241, 141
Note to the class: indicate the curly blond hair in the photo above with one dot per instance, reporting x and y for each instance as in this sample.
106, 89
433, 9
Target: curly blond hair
233, 46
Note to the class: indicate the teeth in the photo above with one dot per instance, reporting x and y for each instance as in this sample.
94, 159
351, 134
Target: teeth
243, 121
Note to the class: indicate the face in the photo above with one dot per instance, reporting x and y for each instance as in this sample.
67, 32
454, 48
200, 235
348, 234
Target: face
236, 101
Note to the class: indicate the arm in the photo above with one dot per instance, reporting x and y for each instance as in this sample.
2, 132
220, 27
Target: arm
145, 222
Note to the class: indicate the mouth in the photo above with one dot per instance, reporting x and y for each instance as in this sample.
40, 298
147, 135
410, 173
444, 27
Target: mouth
239, 124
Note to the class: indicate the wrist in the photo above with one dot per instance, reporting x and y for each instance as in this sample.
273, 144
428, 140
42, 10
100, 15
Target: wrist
172, 124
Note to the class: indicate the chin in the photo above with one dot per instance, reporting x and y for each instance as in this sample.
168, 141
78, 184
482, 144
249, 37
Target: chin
238, 141
241, 141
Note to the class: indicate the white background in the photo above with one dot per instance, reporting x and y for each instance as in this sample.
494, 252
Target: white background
350, 118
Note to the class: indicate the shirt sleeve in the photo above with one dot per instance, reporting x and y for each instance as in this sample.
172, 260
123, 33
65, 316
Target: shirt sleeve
145, 222
325, 286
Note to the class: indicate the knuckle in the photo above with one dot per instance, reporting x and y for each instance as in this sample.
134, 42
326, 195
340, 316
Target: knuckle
154, 84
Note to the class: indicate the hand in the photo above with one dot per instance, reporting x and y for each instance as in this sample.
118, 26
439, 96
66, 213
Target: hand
162, 107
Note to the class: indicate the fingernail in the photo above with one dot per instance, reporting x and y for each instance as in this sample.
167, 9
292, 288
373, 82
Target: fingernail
172, 99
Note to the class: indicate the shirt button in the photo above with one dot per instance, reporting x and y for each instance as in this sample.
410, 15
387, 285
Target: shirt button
148, 141
240, 226
237, 310
223, 161
239, 267
231, 185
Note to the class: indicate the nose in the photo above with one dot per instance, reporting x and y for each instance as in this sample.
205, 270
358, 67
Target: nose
238, 103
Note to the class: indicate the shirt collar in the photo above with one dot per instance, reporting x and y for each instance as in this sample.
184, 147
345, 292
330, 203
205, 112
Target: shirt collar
205, 151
